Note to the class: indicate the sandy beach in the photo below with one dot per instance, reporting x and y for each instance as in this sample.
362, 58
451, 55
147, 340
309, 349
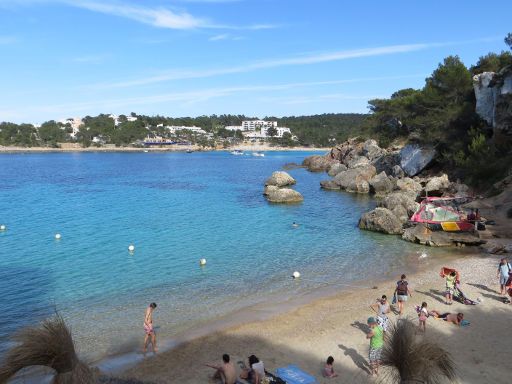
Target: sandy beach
68, 147
337, 325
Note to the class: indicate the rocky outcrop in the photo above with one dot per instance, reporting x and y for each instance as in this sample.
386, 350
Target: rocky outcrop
282, 195
280, 179
401, 204
371, 150
409, 185
381, 220
381, 184
329, 185
355, 179
317, 163
436, 186
358, 161
422, 235
336, 168
414, 158
493, 92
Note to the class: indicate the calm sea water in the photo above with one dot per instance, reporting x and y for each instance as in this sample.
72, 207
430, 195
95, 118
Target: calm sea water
175, 208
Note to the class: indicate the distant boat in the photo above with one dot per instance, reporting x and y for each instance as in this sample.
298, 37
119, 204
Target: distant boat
146, 151
189, 151
260, 154
237, 152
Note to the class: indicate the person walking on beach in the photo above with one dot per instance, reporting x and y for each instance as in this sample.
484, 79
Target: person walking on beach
422, 316
149, 330
225, 372
381, 308
504, 269
376, 336
402, 293
451, 280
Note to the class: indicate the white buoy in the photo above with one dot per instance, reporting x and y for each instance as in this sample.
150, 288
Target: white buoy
3, 227
296, 275
423, 255
131, 247
202, 262
57, 236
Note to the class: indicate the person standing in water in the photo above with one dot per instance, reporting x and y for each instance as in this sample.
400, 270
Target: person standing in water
149, 330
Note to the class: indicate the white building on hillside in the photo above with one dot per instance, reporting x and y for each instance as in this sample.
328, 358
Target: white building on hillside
117, 121
252, 125
75, 123
193, 129
234, 128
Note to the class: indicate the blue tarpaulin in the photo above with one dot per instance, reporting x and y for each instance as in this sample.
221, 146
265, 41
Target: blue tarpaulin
294, 375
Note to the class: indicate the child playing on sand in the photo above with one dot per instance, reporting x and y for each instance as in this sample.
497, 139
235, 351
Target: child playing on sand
422, 315
329, 369
451, 280
376, 336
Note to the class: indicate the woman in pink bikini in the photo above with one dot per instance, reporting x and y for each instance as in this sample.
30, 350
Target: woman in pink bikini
148, 329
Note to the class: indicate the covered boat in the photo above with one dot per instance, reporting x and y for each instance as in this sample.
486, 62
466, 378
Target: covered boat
441, 213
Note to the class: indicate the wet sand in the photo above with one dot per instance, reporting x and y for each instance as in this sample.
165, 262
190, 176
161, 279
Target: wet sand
336, 326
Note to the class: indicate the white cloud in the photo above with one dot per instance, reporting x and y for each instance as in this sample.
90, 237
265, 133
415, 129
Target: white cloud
292, 61
223, 36
90, 59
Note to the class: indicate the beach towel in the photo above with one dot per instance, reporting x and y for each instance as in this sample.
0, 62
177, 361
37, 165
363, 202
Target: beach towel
294, 375
459, 296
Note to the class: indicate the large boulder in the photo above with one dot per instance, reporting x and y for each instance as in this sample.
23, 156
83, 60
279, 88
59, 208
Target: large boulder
280, 179
409, 185
358, 161
422, 235
336, 168
397, 172
356, 179
437, 185
402, 204
372, 150
387, 163
317, 163
282, 195
381, 184
330, 185
414, 158
381, 220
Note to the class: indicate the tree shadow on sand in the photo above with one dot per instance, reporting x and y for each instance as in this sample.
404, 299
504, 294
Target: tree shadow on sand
358, 360
493, 296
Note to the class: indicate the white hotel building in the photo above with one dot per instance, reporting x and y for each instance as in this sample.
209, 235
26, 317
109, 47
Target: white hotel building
257, 129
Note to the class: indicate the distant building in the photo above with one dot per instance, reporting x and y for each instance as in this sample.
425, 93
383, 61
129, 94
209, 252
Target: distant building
252, 125
117, 121
176, 128
75, 123
234, 128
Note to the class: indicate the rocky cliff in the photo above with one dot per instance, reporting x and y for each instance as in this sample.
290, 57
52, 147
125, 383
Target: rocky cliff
493, 92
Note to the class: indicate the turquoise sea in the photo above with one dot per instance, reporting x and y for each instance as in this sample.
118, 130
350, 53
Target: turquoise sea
175, 208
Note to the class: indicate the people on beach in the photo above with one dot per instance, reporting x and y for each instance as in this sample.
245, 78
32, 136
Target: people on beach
225, 371
381, 308
329, 369
450, 281
455, 318
149, 330
504, 270
256, 371
422, 317
402, 293
376, 336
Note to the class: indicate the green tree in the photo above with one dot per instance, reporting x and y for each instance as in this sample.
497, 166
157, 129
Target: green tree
272, 132
51, 133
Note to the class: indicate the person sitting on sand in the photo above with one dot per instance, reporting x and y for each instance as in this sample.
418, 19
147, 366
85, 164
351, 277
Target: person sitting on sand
149, 330
256, 371
376, 336
402, 292
381, 307
225, 372
329, 369
451, 280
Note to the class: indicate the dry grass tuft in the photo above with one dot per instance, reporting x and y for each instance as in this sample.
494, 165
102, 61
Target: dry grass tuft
415, 361
50, 344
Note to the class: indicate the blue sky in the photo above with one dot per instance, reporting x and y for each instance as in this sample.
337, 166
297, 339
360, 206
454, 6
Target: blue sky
65, 58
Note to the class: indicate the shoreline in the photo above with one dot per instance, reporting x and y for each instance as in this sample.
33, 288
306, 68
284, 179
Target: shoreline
296, 329
271, 307
175, 148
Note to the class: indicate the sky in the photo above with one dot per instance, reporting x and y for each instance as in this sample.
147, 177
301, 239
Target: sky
72, 58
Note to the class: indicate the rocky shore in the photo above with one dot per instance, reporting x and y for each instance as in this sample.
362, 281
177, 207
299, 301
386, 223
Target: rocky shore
397, 177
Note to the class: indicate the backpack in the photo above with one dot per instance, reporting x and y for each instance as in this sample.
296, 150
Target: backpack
401, 287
